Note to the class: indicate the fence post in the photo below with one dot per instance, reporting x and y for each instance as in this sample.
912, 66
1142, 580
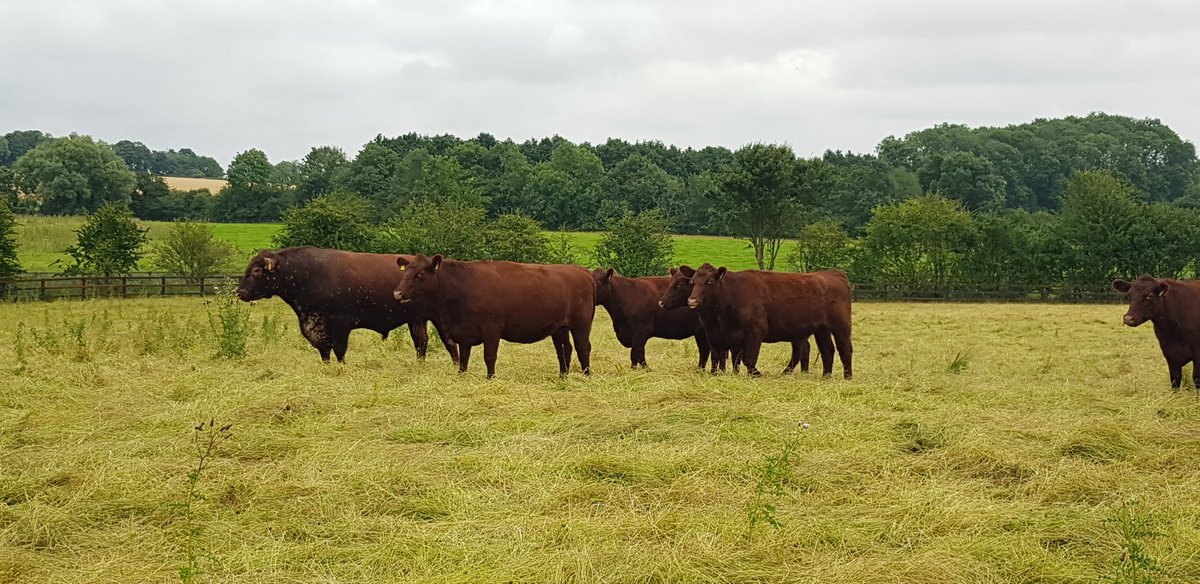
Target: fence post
163, 290
42, 289
201, 286
124, 287
82, 288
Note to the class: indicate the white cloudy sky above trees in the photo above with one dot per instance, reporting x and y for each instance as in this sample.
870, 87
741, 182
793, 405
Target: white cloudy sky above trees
221, 77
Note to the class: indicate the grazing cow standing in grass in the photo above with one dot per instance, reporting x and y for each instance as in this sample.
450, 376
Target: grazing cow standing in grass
482, 302
333, 292
755, 307
1174, 308
636, 316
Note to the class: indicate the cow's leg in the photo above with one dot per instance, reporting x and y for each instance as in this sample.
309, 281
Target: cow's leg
749, 354
845, 349
340, 336
450, 346
419, 333
737, 355
805, 355
825, 346
583, 345
562, 347
798, 354
464, 357
490, 346
703, 348
720, 358
637, 354
313, 328
1196, 373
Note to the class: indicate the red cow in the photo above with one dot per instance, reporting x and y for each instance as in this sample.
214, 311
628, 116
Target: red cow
1174, 308
754, 307
636, 316
482, 302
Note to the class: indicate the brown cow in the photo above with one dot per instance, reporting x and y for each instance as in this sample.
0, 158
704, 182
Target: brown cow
333, 292
482, 302
636, 316
754, 307
676, 296
1174, 308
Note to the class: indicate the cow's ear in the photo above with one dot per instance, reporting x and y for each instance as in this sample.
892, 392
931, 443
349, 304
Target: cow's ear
1162, 288
687, 270
436, 261
609, 274
1121, 286
674, 271
720, 273
403, 263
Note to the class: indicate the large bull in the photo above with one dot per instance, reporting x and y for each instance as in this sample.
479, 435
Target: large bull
333, 292
1174, 308
482, 302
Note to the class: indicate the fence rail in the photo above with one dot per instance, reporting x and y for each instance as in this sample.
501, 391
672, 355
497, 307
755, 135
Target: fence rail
133, 286
148, 284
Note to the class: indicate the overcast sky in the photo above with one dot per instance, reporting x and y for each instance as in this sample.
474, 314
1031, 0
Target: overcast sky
222, 77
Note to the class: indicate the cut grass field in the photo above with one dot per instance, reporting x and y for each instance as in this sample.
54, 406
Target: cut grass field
178, 183
43, 239
977, 443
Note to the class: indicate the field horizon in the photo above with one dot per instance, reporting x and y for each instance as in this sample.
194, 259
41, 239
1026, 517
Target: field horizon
976, 443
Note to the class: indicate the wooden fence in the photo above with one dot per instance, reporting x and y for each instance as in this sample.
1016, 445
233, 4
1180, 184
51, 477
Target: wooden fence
52, 287
132, 286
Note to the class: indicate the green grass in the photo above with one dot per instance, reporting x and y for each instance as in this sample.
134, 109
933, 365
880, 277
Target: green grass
43, 239
1014, 469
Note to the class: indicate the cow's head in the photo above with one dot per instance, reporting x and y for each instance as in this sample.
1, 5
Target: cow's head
262, 277
704, 285
603, 280
1145, 298
418, 279
678, 290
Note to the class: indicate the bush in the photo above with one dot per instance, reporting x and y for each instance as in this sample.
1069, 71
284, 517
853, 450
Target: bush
191, 250
637, 245
109, 243
821, 246
337, 221
517, 238
560, 250
454, 230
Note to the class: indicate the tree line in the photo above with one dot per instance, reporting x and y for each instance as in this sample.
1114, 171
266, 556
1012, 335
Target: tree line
1006, 200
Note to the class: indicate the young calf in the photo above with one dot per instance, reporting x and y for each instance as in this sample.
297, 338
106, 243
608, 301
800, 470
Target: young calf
1174, 308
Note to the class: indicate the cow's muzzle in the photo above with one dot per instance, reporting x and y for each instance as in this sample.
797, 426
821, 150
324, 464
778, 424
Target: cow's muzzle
398, 295
1131, 320
693, 303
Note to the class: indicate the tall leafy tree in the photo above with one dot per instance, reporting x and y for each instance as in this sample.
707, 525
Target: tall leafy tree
765, 194
15, 144
320, 172
73, 175
250, 169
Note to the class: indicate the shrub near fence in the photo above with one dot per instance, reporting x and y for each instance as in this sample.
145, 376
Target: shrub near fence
45, 287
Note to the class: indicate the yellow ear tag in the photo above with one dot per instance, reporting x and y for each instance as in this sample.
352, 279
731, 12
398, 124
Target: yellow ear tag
437, 267
402, 268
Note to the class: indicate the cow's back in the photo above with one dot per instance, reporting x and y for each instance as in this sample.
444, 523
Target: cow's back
351, 284
783, 305
525, 300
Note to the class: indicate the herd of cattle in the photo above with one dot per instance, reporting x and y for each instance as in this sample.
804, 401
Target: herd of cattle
471, 303
730, 314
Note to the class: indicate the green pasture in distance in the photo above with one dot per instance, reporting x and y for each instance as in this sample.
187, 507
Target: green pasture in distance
976, 443
43, 239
